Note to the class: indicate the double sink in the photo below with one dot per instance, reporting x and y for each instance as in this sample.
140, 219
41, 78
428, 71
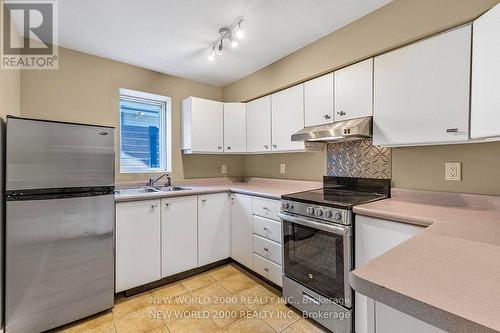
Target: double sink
147, 189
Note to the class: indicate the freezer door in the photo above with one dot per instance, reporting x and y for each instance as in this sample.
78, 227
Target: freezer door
43, 154
59, 261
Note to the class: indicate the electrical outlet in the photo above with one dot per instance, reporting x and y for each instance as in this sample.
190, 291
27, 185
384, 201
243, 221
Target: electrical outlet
453, 171
224, 169
282, 168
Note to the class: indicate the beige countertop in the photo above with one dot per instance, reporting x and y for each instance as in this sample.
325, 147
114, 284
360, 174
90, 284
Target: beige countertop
262, 187
449, 274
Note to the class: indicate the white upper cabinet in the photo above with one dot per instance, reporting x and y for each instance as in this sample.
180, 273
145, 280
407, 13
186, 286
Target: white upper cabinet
287, 118
235, 137
485, 102
259, 125
421, 91
202, 125
318, 100
354, 91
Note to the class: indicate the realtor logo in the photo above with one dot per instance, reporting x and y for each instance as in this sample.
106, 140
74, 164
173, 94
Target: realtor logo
29, 34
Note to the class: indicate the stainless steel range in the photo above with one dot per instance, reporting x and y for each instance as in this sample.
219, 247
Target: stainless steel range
318, 247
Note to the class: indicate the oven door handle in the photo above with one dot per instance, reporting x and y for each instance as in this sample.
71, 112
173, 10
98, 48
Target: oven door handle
334, 229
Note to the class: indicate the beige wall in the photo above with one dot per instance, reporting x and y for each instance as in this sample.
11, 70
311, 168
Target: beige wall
85, 89
395, 24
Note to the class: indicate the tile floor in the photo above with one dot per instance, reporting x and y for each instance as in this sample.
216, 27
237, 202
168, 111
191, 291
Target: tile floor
226, 299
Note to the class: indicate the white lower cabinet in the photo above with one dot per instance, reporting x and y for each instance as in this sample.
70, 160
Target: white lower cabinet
179, 235
267, 248
373, 237
268, 269
213, 228
241, 229
137, 243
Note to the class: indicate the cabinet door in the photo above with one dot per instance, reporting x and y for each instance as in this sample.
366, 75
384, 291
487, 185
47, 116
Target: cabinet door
235, 129
318, 101
207, 121
389, 320
241, 229
179, 235
372, 238
422, 92
287, 109
137, 243
354, 91
259, 125
485, 102
213, 228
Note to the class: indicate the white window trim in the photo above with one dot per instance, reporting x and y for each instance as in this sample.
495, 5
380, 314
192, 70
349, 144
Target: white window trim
165, 119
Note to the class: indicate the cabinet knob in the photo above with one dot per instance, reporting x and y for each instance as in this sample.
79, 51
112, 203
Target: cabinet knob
204, 200
266, 269
167, 204
228, 148
265, 229
266, 249
219, 147
153, 206
275, 146
341, 113
326, 116
266, 146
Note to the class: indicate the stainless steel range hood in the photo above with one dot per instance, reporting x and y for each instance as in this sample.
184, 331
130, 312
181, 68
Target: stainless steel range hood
353, 129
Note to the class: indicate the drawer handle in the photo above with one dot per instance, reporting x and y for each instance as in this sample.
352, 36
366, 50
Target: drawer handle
452, 130
266, 269
266, 146
265, 229
228, 148
266, 249
219, 147
341, 113
265, 208
167, 204
204, 200
310, 298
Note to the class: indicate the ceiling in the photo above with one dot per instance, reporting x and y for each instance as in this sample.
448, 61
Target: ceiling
173, 36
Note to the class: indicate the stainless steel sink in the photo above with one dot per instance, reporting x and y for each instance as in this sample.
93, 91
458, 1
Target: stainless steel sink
172, 188
135, 191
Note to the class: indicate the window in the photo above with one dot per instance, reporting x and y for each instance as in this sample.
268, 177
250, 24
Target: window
145, 132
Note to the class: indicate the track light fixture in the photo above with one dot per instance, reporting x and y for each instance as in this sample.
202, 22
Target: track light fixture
226, 33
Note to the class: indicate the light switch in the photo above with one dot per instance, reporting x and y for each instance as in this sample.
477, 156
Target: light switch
224, 169
453, 171
282, 168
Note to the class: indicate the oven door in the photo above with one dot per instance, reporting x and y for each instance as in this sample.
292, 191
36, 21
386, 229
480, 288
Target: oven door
318, 256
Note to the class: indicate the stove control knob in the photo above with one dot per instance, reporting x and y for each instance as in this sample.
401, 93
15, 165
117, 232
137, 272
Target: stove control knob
310, 210
318, 212
337, 216
328, 214
285, 205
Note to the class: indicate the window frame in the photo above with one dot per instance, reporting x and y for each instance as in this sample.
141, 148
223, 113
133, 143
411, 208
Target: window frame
165, 130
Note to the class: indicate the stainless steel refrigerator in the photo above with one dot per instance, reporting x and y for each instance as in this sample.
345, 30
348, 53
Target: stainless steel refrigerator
59, 223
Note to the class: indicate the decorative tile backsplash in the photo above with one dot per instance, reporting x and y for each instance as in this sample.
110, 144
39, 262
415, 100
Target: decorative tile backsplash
358, 158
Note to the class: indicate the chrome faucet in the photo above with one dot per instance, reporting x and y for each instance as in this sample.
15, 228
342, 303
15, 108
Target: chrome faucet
152, 180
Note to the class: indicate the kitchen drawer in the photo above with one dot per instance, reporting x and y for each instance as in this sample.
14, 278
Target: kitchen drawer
267, 249
267, 269
266, 208
267, 228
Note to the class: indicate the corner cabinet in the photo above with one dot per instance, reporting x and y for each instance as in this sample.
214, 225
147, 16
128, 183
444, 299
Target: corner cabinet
202, 126
179, 235
421, 91
241, 229
138, 244
213, 228
259, 125
287, 110
235, 129
485, 101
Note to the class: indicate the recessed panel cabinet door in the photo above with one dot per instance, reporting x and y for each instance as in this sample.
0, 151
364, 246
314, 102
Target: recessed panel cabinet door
235, 130
213, 228
354, 91
318, 100
259, 125
421, 91
241, 229
485, 103
179, 235
137, 243
287, 109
